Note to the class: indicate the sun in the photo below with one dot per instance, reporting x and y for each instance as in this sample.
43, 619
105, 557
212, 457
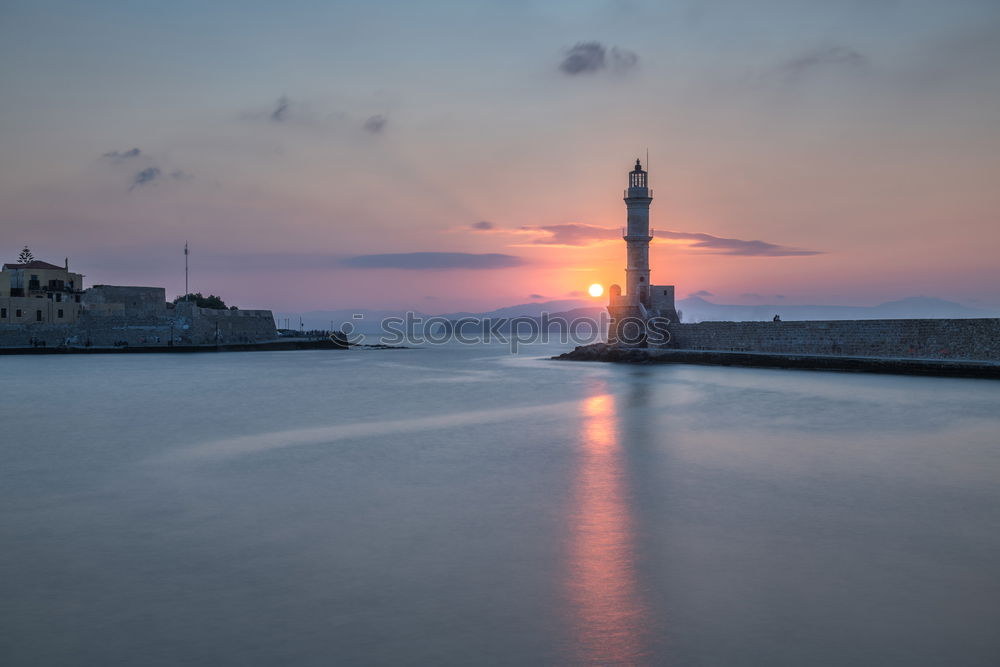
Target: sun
596, 290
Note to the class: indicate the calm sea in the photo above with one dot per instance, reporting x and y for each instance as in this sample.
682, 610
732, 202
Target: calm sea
463, 506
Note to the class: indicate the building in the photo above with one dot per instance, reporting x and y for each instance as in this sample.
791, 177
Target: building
39, 292
45, 305
642, 301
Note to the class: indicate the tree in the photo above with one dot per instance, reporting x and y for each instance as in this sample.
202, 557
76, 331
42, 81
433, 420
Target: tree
25, 256
210, 301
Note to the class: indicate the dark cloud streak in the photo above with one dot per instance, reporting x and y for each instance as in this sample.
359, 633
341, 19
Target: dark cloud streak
146, 176
591, 57
577, 234
280, 112
823, 58
375, 124
118, 156
430, 261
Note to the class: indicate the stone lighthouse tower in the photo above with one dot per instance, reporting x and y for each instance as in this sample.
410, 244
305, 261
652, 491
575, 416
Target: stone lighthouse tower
638, 197
632, 311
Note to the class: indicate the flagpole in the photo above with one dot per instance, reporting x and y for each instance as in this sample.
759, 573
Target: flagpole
186, 290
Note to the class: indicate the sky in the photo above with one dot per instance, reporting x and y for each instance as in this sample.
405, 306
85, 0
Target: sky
467, 155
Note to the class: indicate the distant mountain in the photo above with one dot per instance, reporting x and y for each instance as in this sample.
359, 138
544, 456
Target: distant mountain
693, 309
527, 309
696, 309
370, 320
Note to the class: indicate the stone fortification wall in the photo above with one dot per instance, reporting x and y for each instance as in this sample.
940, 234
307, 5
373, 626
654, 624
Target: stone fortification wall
970, 339
135, 301
144, 326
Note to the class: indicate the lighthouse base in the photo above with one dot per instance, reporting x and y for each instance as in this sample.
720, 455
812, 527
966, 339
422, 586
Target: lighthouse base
641, 320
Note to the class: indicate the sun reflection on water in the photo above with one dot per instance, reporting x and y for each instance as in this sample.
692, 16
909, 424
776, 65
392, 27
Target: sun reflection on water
609, 615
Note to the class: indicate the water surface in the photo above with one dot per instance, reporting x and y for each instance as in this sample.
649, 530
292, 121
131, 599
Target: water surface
459, 505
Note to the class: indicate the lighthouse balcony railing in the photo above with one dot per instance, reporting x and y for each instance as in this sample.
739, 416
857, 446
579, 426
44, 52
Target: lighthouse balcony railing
627, 236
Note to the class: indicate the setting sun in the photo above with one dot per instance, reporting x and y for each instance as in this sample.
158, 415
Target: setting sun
596, 289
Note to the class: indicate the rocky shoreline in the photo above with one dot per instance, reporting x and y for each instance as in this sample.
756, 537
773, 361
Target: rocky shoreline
899, 366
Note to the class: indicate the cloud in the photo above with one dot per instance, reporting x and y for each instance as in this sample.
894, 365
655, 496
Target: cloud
623, 59
751, 295
375, 124
779, 296
573, 234
723, 246
578, 234
584, 57
590, 57
823, 58
701, 293
536, 296
429, 261
575, 292
482, 226
118, 156
280, 112
146, 176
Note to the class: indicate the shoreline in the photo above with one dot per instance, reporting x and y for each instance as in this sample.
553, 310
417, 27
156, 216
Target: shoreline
265, 346
603, 352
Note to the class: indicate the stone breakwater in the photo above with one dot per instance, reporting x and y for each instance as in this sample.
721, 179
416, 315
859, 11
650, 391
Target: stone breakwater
965, 339
902, 366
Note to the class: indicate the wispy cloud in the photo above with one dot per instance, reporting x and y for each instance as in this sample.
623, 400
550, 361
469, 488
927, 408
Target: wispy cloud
578, 234
149, 174
145, 176
482, 226
724, 246
429, 261
591, 57
375, 124
822, 59
118, 156
280, 112
572, 234
701, 293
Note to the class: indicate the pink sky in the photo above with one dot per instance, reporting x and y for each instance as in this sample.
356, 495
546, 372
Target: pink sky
858, 144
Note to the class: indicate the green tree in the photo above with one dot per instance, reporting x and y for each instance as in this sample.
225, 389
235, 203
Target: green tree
210, 301
25, 256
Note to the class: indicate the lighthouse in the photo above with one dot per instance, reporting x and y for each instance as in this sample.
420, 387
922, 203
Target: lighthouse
638, 197
632, 311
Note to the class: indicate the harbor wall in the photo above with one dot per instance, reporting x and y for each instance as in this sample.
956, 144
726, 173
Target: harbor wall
964, 339
147, 326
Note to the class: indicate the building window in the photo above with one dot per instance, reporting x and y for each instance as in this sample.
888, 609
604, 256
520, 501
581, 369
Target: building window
17, 313
38, 316
58, 297
664, 292
642, 279
3, 313
59, 314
